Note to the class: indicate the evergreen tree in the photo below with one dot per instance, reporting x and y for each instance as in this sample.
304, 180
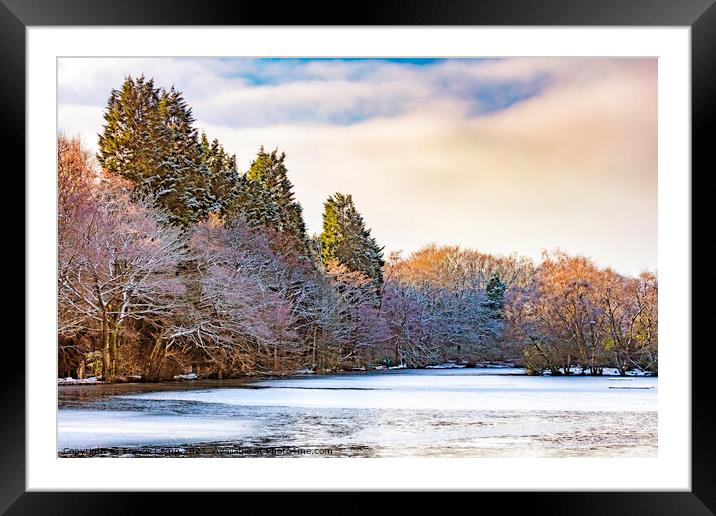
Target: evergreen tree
346, 239
130, 144
183, 187
495, 293
266, 198
149, 138
224, 178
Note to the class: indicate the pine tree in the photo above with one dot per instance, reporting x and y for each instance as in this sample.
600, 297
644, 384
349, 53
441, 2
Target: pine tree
266, 198
130, 144
224, 177
346, 240
149, 138
183, 187
495, 294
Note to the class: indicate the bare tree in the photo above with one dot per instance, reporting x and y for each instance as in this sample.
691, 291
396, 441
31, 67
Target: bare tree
116, 262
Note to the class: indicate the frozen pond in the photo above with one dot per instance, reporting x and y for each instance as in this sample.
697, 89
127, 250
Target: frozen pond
439, 412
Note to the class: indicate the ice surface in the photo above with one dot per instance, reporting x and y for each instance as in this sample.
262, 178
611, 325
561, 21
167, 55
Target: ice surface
448, 413
95, 428
438, 390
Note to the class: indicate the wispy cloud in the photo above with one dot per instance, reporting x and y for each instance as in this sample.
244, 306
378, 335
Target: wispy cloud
500, 154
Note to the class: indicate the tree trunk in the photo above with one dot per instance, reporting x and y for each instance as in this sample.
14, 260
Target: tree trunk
106, 357
113, 352
155, 360
313, 361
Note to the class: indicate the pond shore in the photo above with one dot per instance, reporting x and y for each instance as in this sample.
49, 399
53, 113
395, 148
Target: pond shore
192, 377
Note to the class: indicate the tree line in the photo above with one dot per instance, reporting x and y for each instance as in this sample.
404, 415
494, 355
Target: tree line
171, 260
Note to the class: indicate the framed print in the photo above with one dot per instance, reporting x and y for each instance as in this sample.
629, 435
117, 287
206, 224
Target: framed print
418, 249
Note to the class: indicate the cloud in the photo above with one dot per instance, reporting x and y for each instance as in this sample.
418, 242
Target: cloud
431, 153
262, 92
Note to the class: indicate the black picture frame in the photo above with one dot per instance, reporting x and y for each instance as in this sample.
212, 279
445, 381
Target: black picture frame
17, 15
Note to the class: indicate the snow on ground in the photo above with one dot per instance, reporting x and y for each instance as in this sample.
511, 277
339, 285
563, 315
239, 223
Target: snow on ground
607, 371
75, 381
189, 376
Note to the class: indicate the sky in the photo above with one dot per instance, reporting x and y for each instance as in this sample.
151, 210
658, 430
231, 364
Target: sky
505, 156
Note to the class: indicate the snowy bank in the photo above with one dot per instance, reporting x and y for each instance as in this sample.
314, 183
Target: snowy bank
189, 376
76, 381
607, 371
